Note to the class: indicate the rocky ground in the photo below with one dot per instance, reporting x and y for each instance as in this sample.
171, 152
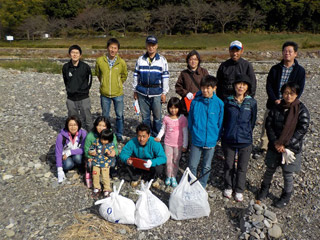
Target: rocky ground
34, 206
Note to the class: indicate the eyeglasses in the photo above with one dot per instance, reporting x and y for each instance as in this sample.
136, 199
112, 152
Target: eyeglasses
289, 93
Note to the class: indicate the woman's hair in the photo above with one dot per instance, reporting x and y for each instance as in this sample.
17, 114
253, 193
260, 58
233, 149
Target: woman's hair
192, 53
98, 120
292, 85
174, 102
106, 134
74, 118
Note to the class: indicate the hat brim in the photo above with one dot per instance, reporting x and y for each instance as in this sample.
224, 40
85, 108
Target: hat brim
235, 46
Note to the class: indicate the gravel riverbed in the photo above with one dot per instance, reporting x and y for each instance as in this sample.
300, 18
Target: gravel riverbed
34, 206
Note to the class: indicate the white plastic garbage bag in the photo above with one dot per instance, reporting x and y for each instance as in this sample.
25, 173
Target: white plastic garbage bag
189, 201
116, 208
150, 210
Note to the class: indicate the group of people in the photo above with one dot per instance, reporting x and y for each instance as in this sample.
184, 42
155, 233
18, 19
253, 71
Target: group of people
210, 109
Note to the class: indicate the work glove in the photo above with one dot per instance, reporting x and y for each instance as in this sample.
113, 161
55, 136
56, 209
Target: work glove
61, 175
288, 157
190, 96
148, 164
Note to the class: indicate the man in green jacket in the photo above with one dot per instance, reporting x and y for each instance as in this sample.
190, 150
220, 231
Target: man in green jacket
112, 73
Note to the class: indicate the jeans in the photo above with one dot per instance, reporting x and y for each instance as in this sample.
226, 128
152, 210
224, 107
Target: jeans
71, 161
148, 104
242, 167
118, 108
82, 106
194, 160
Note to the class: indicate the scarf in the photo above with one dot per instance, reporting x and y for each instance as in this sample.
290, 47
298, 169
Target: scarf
291, 121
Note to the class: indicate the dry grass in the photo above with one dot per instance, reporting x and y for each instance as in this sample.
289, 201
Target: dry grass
90, 226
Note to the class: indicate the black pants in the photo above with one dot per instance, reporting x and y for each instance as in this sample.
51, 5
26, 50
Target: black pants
136, 173
242, 165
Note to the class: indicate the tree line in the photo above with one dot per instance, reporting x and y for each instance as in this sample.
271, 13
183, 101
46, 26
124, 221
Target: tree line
61, 18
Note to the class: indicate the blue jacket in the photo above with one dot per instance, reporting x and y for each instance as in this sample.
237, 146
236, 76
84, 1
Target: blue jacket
152, 150
205, 120
151, 78
239, 121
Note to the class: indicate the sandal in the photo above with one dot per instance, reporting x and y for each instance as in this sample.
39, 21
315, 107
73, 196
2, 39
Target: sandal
106, 194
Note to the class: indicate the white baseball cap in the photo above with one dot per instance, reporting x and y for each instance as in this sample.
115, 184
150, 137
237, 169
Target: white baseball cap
236, 44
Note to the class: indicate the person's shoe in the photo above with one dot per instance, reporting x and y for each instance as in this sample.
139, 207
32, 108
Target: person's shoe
135, 183
227, 193
156, 184
239, 197
263, 192
284, 200
96, 193
167, 182
106, 194
174, 182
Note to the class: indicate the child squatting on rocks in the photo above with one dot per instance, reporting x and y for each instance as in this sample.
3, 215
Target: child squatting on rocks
175, 128
104, 157
69, 146
286, 125
240, 114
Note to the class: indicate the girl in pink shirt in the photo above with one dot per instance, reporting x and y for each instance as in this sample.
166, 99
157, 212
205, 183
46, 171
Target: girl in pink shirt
175, 128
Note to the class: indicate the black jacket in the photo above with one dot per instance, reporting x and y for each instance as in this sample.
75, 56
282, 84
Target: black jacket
297, 75
275, 123
78, 80
227, 73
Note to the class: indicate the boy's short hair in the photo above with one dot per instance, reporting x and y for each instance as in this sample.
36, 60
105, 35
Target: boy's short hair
293, 86
113, 41
106, 134
292, 44
74, 118
143, 127
208, 81
77, 47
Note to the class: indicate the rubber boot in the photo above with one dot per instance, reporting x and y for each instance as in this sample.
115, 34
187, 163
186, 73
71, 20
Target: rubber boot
263, 192
284, 200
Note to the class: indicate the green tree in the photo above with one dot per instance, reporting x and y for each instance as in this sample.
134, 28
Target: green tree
63, 8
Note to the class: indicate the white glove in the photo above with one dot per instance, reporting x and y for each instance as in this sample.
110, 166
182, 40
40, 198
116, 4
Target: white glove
61, 175
148, 164
189, 96
288, 157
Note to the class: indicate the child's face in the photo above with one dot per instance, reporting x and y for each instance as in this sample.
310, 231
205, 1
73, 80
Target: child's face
207, 91
101, 126
73, 127
104, 142
241, 88
289, 96
173, 110
235, 53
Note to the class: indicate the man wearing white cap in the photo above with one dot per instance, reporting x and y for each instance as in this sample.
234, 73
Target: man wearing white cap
229, 69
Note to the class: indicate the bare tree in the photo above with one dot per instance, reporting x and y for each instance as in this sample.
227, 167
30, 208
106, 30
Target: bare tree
143, 20
86, 19
32, 26
169, 16
104, 19
196, 13
56, 26
253, 18
226, 12
122, 20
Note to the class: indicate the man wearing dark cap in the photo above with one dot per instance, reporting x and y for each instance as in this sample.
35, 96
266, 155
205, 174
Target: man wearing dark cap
78, 79
151, 84
229, 69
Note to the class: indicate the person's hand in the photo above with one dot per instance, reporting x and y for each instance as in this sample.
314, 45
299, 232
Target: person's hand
288, 157
184, 149
280, 148
278, 101
148, 164
92, 153
89, 159
189, 96
61, 175
135, 95
157, 139
163, 98
129, 161
112, 153
64, 157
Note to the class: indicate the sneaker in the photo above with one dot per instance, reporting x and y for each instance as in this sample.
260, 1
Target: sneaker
239, 197
227, 193
96, 193
174, 182
167, 182
156, 184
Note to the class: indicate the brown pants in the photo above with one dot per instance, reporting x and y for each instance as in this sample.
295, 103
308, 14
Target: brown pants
105, 178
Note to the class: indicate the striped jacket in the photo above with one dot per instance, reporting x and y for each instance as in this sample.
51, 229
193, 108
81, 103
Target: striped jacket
151, 78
